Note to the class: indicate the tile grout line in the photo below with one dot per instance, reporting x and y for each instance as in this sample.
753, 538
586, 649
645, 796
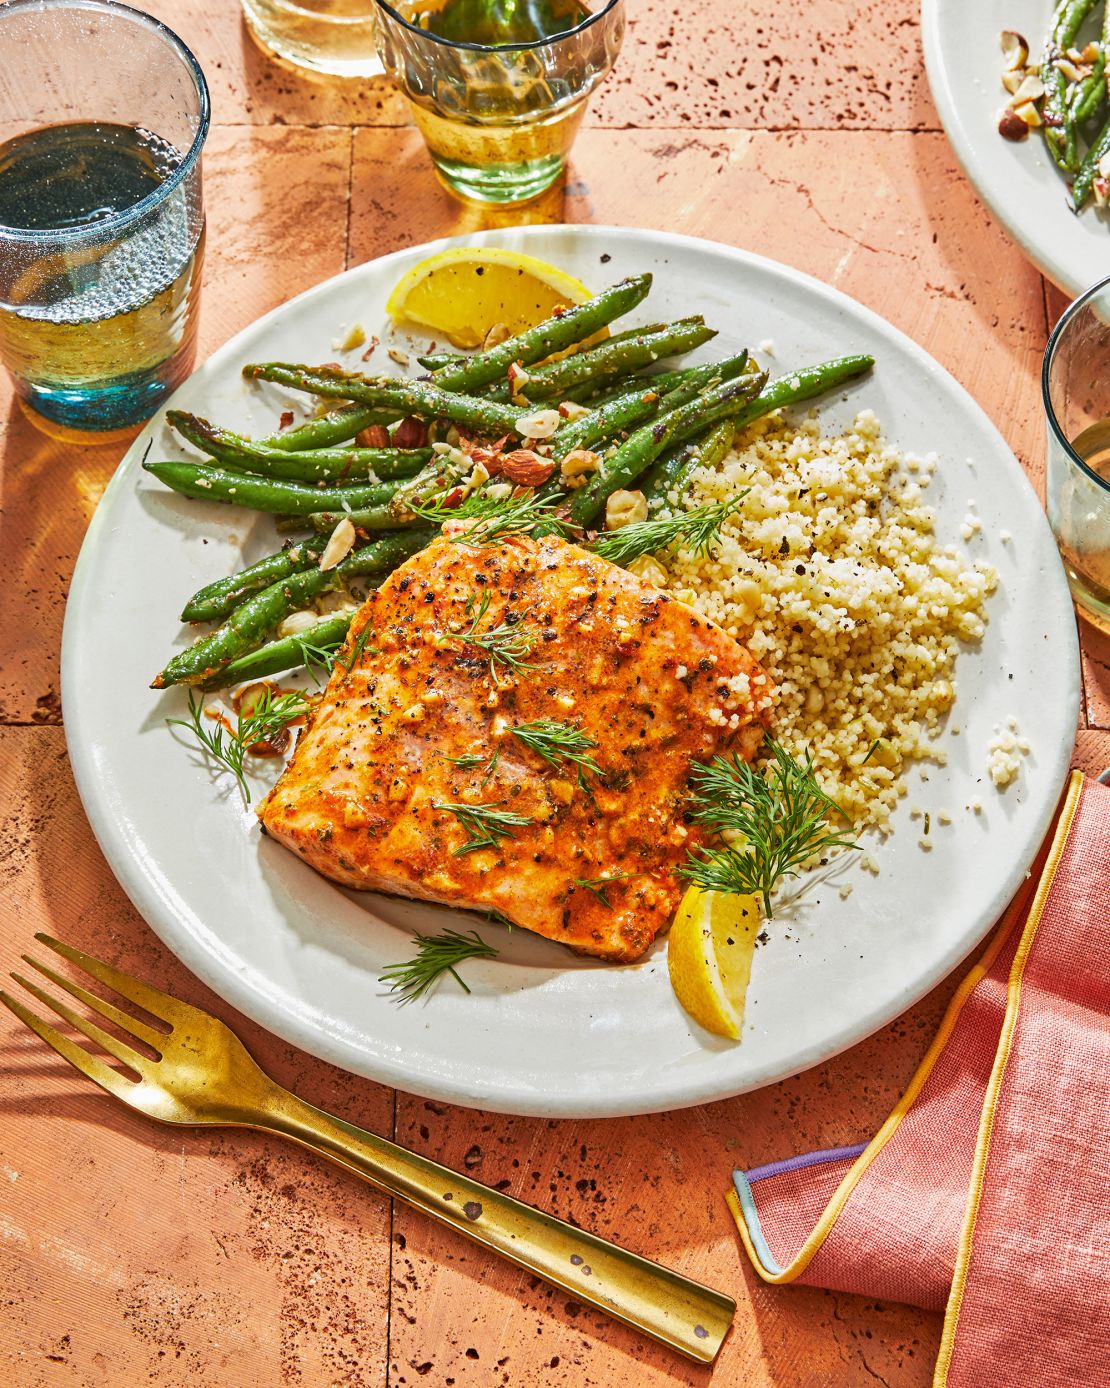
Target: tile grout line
688, 128
389, 1266
350, 194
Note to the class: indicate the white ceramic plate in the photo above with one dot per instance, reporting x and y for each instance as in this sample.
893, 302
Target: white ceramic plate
543, 1032
1018, 182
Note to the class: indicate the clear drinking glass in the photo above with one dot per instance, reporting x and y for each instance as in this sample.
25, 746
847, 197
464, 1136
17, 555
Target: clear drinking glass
499, 117
103, 112
1076, 387
338, 37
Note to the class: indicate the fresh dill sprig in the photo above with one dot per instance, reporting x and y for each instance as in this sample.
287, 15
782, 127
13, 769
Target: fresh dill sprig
318, 660
467, 762
556, 743
496, 519
597, 885
780, 819
485, 825
229, 746
356, 651
470, 761
508, 644
695, 530
435, 955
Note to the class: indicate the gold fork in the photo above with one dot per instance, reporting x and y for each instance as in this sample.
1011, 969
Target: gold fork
203, 1075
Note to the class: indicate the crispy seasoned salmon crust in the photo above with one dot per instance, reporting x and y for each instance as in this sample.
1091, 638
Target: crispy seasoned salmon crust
461, 646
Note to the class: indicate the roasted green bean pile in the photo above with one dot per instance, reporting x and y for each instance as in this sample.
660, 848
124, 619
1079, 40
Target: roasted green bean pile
509, 438
1061, 89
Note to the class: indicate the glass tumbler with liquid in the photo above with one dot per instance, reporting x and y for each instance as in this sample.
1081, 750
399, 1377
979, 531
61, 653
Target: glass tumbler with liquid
1076, 387
333, 37
499, 87
103, 111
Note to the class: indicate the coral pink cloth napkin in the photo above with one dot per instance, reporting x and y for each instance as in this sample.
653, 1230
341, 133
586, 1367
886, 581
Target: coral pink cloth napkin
986, 1193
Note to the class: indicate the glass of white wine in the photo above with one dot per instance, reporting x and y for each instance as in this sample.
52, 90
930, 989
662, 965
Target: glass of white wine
333, 37
498, 88
104, 112
1076, 386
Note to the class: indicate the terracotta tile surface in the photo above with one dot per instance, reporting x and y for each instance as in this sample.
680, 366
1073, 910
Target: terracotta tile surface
801, 129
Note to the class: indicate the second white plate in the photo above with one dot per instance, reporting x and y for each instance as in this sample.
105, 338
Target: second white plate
1018, 182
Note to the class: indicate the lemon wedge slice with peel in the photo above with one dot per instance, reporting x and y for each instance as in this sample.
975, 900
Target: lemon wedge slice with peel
460, 294
709, 957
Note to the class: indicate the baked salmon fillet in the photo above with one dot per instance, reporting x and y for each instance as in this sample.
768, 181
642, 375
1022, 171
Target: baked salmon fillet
514, 734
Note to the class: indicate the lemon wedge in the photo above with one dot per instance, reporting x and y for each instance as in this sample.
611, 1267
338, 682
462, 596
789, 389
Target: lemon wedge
460, 294
709, 957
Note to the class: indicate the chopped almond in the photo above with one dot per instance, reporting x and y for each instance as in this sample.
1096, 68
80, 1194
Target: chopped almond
540, 425
498, 334
1011, 126
410, 433
339, 545
526, 468
1015, 50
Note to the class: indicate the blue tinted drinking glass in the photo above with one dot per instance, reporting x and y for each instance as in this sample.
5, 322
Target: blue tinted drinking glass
103, 113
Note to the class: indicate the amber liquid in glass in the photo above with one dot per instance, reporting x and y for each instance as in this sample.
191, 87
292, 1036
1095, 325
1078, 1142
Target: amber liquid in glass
1086, 557
502, 132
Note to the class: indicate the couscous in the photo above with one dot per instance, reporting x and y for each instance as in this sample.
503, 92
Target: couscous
831, 574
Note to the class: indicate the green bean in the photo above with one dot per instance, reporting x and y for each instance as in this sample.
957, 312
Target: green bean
553, 335
609, 359
1091, 92
625, 464
803, 384
217, 600
254, 620
1088, 170
316, 646
488, 417
308, 465
432, 361
1060, 131
659, 381
366, 518
670, 472
329, 429
614, 416
204, 483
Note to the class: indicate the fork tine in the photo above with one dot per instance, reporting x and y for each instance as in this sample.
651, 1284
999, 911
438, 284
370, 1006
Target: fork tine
157, 1003
120, 1049
91, 1066
123, 1020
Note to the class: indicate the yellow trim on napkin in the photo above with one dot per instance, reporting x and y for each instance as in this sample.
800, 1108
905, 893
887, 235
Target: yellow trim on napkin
852, 1177
994, 1085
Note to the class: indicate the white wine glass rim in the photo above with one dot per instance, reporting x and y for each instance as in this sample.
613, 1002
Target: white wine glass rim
497, 47
119, 220
1050, 351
